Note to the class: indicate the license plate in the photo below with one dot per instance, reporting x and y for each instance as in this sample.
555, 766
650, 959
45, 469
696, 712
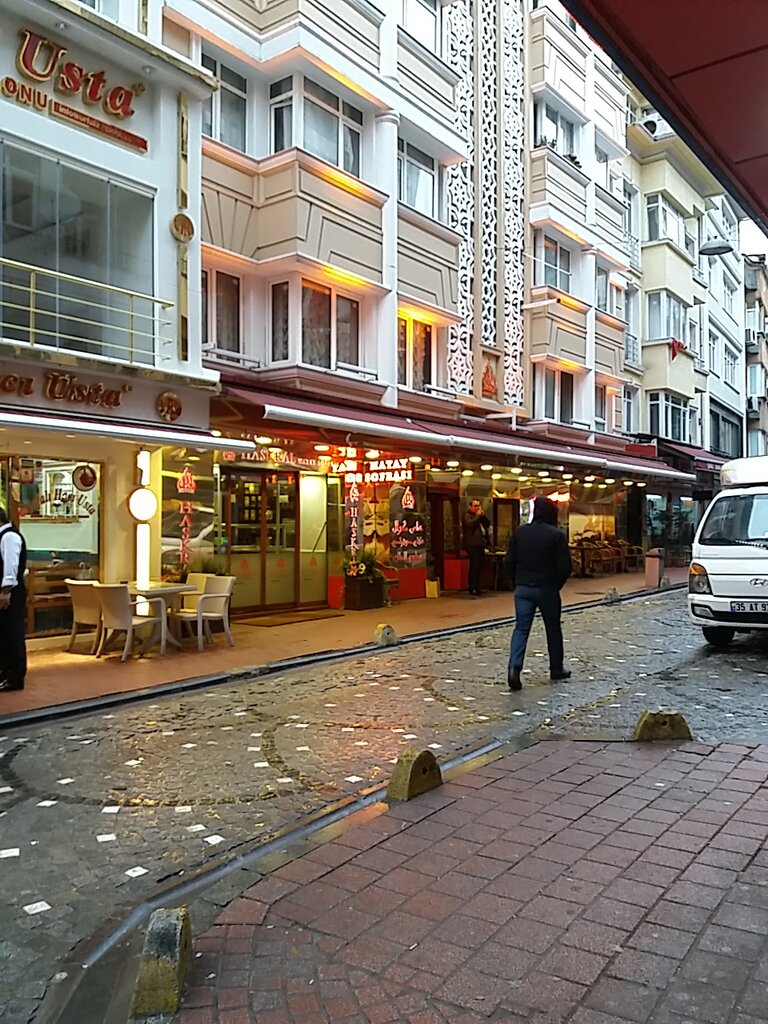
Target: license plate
749, 606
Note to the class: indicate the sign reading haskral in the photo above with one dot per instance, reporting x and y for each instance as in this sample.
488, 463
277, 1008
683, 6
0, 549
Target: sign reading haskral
46, 71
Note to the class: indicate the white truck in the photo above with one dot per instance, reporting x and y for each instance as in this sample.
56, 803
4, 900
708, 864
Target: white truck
728, 577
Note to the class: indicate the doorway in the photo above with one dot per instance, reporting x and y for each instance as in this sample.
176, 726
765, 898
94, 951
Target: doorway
275, 525
444, 531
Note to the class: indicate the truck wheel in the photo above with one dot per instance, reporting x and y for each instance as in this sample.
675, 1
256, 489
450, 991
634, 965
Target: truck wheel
718, 636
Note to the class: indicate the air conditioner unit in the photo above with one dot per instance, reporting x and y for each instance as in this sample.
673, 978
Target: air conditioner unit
751, 339
651, 125
753, 407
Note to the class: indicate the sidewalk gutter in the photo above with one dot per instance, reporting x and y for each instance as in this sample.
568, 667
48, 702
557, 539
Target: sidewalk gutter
81, 980
111, 700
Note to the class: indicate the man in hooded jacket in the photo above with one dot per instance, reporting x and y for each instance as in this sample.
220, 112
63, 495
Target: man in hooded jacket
537, 565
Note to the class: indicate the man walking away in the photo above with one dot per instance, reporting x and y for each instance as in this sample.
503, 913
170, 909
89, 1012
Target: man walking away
475, 527
13, 600
537, 564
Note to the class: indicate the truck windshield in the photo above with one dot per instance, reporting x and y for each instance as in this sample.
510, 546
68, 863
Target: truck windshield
737, 519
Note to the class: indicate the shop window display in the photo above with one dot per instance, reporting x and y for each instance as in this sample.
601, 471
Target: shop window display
56, 504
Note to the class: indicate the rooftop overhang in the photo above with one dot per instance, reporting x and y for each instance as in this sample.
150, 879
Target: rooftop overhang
702, 64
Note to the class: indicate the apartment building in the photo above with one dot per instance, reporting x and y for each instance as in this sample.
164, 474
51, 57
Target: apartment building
756, 345
100, 350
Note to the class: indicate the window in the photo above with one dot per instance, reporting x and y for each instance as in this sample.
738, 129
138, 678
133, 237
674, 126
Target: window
601, 168
751, 318
419, 19
332, 128
330, 327
84, 225
221, 311
608, 296
109, 8
730, 365
756, 442
551, 128
724, 433
667, 317
736, 519
416, 178
557, 265
601, 288
280, 300
415, 354
729, 293
224, 114
665, 222
601, 407
628, 410
669, 416
714, 348
281, 114
553, 394
756, 387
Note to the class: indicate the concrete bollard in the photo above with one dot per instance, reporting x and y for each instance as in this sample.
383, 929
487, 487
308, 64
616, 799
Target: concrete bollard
661, 725
164, 963
385, 636
611, 595
416, 772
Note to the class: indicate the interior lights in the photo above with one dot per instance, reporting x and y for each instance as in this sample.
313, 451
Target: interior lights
452, 463
610, 480
414, 458
589, 479
263, 439
567, 476
522, 480
628, 483
544, 473
467, 472
516, 470
486, 467
372, 453
640, 483
322, 447
142, 504
495, 476
602, 486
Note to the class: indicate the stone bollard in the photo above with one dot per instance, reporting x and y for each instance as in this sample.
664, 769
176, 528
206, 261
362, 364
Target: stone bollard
385, 636
611, 595
163, 966
665, 583
416, 772
661, 725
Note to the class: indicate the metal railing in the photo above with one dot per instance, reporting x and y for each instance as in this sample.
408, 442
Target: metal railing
44, 308
700, 274
632, 350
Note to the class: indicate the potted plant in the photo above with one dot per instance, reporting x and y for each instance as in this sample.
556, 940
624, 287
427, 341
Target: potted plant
574, 159
363, 582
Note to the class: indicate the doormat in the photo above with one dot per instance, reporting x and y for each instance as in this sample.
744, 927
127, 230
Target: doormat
286, 618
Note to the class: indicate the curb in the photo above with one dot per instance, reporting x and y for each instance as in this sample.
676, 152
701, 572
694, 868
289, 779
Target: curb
112, 700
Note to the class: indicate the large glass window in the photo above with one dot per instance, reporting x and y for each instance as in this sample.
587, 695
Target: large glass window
551, 128
90, 228
557, 266
667, 317
601, 408
730, 365
420, 19
736, 519
669, 416
330, 327
281, 114
224, 114
415, 353
416, 179
221, 311
332, 127
280, 298
554, 395
664, 221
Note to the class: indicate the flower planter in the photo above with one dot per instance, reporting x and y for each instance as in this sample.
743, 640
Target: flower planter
363, 592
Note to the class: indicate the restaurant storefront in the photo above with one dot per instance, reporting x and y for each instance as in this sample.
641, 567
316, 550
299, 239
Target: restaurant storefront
317, 497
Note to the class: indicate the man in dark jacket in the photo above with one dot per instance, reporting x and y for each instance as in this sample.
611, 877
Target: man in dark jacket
13, 563
537, 564
475, 527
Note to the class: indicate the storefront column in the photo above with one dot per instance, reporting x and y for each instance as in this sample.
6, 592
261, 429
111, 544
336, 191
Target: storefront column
385, 152
587, 414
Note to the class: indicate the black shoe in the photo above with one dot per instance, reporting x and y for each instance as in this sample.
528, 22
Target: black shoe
6, 688
558, 677
513, 679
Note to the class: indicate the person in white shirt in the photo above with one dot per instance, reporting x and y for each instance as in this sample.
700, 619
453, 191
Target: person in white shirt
13, 601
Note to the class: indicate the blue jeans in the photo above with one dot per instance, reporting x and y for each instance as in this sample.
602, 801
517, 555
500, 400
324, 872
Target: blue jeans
547, 601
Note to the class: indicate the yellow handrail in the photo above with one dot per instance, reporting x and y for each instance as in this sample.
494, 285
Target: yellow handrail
166, 303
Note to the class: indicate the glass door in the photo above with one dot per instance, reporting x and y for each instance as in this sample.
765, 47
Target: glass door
280, 522
244, 523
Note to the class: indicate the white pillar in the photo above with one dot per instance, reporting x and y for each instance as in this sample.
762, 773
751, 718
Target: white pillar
385, 164
590, 296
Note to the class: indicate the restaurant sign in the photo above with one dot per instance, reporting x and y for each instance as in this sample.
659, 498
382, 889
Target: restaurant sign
376, 471
44, 64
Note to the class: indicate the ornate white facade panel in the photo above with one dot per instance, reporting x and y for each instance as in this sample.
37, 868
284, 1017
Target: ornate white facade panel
460, 193
513, 196
487, 152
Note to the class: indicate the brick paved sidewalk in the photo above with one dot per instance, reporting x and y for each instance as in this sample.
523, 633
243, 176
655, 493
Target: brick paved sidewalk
579, 882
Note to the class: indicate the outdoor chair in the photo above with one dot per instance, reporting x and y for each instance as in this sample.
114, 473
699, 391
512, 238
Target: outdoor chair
86, 610
118, 615
212, 606
198, 581
391, 581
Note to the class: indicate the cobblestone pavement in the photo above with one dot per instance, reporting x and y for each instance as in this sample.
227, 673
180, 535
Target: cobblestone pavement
96, 811
572, 882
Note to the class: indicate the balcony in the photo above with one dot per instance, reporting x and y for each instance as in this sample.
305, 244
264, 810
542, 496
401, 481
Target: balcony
700, 275
49, 311
558, 188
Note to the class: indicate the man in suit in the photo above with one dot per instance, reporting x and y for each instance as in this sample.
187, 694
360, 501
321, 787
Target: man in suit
537, 565
13, 601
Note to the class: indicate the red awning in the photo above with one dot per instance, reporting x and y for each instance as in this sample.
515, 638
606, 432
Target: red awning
702, 63
367, 428
702, 459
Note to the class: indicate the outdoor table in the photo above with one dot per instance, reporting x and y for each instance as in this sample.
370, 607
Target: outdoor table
171, 594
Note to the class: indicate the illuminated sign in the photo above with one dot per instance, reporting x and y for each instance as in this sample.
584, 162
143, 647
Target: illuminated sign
42, 61
64, 387
186, 485
378, 471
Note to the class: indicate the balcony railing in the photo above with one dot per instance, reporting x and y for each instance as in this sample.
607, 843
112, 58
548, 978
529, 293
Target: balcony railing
700, 274
45, 309
632, 350
632, 245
